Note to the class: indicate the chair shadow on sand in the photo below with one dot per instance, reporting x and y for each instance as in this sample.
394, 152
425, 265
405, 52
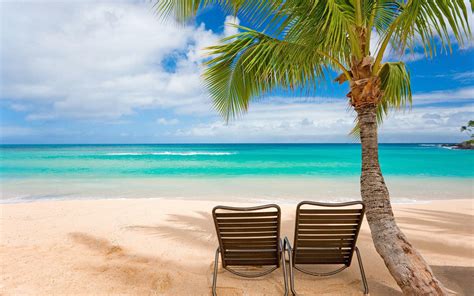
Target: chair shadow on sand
135, 271
199, 227
198, 231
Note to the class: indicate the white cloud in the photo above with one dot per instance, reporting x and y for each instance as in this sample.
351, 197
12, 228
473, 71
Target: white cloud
462, 94
15, 131
229, 29
102, 61
437, 121
20, 107
316, 119
164, 121
464, 77
112, 59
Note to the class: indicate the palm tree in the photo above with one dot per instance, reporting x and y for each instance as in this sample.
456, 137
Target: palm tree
468, 128
294, 43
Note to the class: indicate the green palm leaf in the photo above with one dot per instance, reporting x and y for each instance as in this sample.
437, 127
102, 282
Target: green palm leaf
395, 84
250, 64
295, 41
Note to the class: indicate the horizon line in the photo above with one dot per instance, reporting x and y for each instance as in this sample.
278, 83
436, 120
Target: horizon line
223, 143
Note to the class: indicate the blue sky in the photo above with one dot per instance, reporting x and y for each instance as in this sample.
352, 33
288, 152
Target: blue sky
111, 72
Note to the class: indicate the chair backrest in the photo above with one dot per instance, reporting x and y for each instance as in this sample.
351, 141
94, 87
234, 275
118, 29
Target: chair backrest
326, 233
248, 236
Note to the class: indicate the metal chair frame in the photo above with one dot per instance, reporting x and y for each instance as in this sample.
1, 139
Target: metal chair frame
221, 249
293, 251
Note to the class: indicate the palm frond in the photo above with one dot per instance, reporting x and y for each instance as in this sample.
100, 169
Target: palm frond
181, 10
250, 64
380, 15
395, 84
300, 39
426, 23
255, 12
327, 25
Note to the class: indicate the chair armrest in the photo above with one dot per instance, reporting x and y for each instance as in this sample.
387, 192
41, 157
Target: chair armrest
287, 244
280, 245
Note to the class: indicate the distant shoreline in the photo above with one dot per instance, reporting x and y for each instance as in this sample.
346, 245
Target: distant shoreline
466, 145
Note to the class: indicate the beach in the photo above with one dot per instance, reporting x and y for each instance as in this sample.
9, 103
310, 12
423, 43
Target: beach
166, 247
136, 219
123, 124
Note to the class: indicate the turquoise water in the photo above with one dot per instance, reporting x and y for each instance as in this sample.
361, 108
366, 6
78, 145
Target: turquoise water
226, 160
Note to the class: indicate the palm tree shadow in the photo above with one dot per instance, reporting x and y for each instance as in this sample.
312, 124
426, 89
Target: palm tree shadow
443, 222
141, 273
377, 288
457, 278
183, 227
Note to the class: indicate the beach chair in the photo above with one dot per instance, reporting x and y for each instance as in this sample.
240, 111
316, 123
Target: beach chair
249, 241
325, 233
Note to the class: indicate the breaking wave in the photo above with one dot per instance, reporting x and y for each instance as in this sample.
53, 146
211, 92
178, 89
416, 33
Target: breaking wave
186, 153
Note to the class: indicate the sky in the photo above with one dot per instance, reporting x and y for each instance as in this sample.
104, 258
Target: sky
113, 72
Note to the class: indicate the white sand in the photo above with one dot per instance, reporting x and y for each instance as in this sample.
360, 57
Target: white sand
166, 247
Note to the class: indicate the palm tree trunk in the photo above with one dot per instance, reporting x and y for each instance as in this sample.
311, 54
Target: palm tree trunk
408, 268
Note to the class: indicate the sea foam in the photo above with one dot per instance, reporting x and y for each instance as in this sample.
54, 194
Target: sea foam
186, 153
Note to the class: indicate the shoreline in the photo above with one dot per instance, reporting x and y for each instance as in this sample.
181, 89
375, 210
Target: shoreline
255, 189
234, 200
166, 247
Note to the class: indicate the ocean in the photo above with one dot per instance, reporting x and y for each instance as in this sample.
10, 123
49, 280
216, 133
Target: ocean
210, 171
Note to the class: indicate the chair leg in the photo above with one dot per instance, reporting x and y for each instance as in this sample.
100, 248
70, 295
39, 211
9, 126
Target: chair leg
362, 273
285, 276
292, 277
287, 247
214, 278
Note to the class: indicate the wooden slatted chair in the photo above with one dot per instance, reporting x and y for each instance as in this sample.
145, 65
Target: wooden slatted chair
325, 233
249, 238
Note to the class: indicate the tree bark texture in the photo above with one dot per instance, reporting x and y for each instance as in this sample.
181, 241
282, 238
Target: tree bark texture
407, 266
